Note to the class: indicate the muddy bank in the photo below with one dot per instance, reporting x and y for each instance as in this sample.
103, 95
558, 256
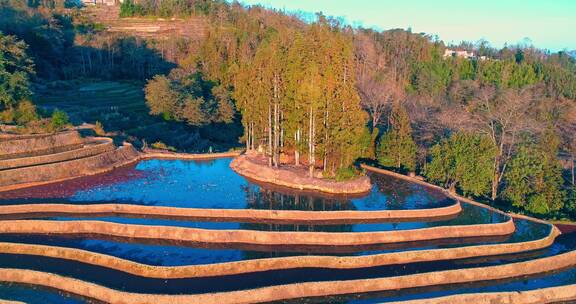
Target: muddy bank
249, 166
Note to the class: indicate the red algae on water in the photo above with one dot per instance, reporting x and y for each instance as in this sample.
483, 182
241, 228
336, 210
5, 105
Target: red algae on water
68, 188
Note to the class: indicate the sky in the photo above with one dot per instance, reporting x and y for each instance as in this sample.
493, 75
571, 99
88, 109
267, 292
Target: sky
548, 24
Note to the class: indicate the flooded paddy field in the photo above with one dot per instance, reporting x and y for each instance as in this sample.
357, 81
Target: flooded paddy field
212, 185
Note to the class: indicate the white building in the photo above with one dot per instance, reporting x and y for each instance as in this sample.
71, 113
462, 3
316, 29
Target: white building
460, 54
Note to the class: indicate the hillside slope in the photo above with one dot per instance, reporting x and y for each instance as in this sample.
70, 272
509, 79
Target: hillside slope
194, 28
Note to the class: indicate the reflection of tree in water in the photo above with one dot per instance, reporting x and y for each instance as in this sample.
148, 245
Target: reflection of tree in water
396, 190
258, 197
471, 215
297, 227
207, 163
527, 230
272, 253
261, 198
399, 191
337, 299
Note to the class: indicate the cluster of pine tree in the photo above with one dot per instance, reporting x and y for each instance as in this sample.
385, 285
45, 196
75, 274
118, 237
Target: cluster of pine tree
293, 84
298, 95
190, 98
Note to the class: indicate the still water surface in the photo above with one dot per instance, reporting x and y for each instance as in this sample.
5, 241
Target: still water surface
212, 184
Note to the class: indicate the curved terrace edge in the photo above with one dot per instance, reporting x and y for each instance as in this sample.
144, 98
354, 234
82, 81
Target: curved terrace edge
268, 264
299, 290
207, 236
549, 295
250, 215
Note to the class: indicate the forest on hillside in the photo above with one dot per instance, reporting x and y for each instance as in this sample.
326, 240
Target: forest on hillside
499, 126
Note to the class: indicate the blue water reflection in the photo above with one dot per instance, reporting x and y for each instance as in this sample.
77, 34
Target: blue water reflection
36, 295
212, 184
470, 215
170, 254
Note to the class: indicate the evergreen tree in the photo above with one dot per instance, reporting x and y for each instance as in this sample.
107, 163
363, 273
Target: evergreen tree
397, 148
190, 98
570, 206
15, 71
297, 94
160, 97
463, 161
534, 180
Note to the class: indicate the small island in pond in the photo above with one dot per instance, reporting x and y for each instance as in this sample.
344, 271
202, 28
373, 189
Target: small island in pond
255, 166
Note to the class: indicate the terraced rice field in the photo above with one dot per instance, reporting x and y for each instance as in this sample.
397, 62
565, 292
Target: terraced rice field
193, 28
121, 108
174, 231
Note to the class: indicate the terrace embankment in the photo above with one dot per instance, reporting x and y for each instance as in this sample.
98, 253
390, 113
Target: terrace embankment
561, 294
194, 28
254, 167
161, 154
10, 302
15, 146
208, 236
94, 146
30, 160
258, 265
314, 289
47, 173
243, 215
454, 195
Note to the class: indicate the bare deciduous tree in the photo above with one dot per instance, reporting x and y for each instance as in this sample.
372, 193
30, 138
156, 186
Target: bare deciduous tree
376, 87
502, 116
378, 94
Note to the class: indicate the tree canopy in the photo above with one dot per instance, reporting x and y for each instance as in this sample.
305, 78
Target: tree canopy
397, 148
463, 161
16, 68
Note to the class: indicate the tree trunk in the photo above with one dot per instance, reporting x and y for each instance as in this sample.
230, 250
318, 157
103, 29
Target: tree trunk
495, 179
452, 187
372, 148
311, 160
276, 122
269, 135
248, 137
325, 156
281, 130
252, 135
296, 151
572, 168
276, 136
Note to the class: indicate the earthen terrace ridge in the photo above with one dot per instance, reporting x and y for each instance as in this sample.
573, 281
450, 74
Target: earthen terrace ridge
110, 159
314, 289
